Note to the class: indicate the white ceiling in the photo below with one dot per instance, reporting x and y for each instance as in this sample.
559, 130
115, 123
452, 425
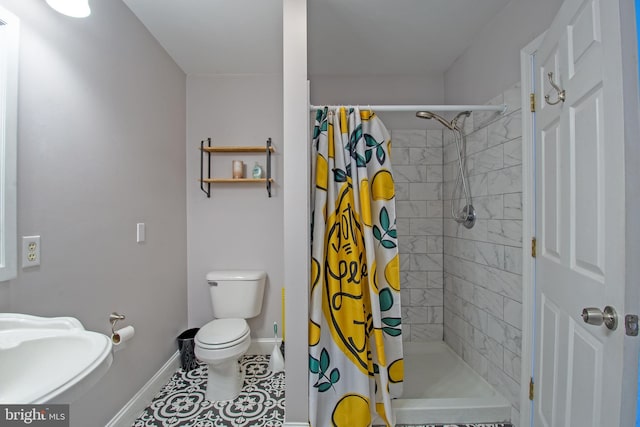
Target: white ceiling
345, 37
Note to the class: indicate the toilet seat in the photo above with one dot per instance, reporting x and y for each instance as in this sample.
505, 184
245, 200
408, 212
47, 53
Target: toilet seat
222, 333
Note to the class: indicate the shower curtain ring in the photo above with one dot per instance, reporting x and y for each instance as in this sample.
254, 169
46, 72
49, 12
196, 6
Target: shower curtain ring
561, 92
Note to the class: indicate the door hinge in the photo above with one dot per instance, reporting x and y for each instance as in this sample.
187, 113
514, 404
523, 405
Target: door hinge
533, 247
531, 389
532, 102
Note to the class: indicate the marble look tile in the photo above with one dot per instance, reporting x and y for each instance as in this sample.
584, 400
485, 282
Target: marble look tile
485, 161
413, 245
507, 180
513, 259
426, 227
413, 279
410, 173
405, 298
476, 142
426, 332
489, 207
513, 152
477, 361
476, 317
425, 190
447, 190
496, 280
512, 365
409, 138
507, 128
513, 98
513, 313
434, 173
402, 191
435, 280
425, 156
413, 315
434, 209
453, 340
489, 301
449, 171
453, 303
505, 385
457, 324
483, 118
435, 244
403, 225
447, 138
427, 298
489, 348
449, 153
505, 334
434, 138
435, 314
405, 262
478, 232
399, 156
479, 185
512, 206
480, 252
505, 231
425, 262
411, 209
406, 331
458, 287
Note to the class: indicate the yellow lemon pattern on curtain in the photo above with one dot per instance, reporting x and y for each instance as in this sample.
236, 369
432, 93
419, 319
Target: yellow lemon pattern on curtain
355, 328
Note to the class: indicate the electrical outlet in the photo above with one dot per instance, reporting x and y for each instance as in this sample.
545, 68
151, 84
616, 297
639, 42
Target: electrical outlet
30, 251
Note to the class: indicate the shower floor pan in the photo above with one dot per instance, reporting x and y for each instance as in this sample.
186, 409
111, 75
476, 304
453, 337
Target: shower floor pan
440, 387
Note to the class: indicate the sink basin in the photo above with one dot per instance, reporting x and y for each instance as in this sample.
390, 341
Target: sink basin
49, 360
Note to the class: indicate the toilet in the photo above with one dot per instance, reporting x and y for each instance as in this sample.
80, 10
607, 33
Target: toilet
235, 296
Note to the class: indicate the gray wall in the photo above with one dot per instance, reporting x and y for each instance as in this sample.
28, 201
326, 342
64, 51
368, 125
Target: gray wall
100, 148
492, 63
239, 227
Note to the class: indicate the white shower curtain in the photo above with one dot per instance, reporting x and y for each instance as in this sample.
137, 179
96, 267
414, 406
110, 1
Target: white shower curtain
355, 334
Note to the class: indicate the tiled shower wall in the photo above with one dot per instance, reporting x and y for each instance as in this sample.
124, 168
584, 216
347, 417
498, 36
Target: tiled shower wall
417, 162
465, 284
483, 265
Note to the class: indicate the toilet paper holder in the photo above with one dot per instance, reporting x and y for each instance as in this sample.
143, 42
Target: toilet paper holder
113, 319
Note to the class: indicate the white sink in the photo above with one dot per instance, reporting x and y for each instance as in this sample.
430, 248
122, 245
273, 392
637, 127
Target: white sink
49, 360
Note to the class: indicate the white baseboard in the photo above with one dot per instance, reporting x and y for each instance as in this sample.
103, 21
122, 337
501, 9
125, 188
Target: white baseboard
134, 407
295, 425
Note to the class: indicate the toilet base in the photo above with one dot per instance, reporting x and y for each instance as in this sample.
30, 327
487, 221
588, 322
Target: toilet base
224, 380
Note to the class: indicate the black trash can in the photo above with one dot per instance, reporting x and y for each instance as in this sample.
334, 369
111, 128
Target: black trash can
186, 347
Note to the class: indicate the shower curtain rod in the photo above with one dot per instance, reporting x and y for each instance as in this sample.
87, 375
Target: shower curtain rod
501, 108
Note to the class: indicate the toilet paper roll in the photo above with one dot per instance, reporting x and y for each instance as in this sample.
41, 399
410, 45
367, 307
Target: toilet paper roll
123, 335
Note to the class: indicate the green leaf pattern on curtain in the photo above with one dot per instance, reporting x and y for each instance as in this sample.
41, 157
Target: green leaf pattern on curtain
355, 327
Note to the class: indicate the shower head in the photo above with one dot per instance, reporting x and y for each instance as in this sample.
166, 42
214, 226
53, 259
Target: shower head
431, 115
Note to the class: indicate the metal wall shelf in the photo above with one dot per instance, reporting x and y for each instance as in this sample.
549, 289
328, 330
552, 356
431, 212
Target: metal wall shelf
205, 182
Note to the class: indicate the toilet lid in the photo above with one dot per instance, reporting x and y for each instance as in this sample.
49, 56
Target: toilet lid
222, 331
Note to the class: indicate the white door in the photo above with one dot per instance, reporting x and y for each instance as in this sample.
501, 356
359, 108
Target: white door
580, 217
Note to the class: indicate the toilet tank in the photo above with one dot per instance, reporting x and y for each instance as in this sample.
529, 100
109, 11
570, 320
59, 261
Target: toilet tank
236, 293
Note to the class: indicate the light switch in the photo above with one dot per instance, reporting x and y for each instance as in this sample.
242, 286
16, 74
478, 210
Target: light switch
140, 232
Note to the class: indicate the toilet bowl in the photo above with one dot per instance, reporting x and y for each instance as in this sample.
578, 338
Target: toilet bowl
235, 296
220, 344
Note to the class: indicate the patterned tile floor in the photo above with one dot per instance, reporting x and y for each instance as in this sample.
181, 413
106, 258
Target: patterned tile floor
181, 401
